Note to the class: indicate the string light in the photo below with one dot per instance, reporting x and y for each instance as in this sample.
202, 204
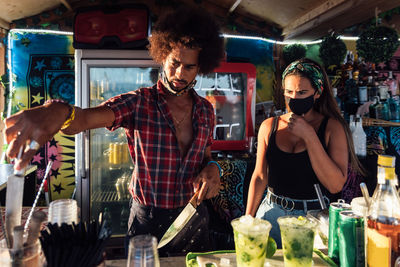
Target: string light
41, 31
283, 42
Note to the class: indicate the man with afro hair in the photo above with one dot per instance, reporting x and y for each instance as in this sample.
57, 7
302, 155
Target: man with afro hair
168, 126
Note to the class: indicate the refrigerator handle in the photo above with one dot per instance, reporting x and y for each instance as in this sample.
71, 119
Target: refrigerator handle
85, 157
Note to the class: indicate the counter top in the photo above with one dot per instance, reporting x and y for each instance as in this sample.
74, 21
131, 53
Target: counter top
276, 260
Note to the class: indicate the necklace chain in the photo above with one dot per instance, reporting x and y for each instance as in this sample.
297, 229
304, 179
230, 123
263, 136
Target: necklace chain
178, 123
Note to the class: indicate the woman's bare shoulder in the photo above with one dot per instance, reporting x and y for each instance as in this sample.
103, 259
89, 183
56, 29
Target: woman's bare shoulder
334, 127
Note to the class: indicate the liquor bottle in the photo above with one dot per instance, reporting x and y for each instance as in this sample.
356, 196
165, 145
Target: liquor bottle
359, 138
375, 109
362, 91
371, 87
384, 217
351, 88
392, 84
394, 107
385, 110
338, 100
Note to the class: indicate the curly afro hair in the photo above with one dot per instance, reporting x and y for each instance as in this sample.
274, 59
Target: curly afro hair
193, 28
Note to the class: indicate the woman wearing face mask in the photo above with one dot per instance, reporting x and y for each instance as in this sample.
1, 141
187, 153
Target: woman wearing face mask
311, 144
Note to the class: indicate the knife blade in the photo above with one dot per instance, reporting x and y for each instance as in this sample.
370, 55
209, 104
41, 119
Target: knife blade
180, 221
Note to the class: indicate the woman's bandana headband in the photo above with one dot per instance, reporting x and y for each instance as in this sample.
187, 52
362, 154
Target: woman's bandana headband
312, 71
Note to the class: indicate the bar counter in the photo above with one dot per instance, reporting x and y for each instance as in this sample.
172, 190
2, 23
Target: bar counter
276, 260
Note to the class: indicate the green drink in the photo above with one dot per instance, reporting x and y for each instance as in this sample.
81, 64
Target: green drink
297, 240
251, 238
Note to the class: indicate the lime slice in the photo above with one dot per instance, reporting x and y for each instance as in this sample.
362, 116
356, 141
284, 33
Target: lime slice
271, 247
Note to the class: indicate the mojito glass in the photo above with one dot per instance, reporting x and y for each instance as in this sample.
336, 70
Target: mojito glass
297, 235
251, 238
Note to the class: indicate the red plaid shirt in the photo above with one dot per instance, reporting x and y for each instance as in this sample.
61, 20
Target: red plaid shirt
160, 177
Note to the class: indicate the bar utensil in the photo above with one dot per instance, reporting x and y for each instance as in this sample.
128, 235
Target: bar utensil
14, 196
320, 196
364, 191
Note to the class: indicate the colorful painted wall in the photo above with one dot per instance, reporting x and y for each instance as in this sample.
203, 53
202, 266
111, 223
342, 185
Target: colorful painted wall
41, 67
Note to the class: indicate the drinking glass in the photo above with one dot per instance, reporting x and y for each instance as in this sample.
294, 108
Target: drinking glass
251, 238
297, 235
63, 211
28, 256
143, 252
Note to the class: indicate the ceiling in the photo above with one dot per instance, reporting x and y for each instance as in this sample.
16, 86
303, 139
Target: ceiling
294, 19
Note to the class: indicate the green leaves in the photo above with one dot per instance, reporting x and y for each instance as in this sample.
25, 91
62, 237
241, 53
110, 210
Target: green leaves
332, 50
377, 44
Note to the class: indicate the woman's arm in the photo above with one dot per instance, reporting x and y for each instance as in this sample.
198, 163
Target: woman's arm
259, 179
331, 166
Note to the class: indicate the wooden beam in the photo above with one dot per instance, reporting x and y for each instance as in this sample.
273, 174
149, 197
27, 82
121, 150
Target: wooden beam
291, 32
319, 14
4, 24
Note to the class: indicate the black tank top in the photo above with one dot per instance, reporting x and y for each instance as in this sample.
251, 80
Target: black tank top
291, 174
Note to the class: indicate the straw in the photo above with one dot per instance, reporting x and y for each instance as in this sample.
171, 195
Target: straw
320, 197
364, 191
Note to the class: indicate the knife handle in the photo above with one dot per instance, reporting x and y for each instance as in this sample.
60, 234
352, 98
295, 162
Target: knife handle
194, 198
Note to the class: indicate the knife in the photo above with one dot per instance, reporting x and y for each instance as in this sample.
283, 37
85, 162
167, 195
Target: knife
180, 221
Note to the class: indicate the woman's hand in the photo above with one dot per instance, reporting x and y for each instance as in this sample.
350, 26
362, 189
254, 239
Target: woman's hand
31, 129
299, 126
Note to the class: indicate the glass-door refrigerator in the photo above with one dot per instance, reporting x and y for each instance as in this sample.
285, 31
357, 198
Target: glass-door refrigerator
103, 163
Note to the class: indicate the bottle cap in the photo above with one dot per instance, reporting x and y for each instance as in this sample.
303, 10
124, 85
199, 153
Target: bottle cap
386, 160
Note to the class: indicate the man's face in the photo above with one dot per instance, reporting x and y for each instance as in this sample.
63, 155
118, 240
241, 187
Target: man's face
181, 66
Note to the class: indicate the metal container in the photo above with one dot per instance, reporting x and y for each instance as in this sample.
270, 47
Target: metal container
120, 190
333, 242
351, 239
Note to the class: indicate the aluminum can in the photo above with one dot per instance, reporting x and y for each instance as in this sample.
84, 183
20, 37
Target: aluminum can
119, 187
111, 150
351, 239
333, 243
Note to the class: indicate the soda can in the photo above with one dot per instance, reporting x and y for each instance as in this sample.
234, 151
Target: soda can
333, 242
351, 239
120, 190
117, 154
111, 149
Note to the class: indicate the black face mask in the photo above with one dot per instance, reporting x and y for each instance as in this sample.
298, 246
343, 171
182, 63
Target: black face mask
300, 106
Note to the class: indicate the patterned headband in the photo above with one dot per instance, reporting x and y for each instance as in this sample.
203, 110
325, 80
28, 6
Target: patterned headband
312, 71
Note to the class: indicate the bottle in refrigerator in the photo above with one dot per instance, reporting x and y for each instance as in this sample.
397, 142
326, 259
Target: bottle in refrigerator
384, 218
107, 218
124, 219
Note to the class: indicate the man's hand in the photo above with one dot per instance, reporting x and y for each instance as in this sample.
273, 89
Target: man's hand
39, 124
208, 182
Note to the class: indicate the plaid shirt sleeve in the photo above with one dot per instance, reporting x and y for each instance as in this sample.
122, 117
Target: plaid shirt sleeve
124, 107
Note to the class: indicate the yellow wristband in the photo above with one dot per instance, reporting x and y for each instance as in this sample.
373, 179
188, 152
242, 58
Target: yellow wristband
70, 119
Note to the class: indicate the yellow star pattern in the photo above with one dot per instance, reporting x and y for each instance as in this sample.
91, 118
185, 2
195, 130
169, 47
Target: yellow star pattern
37, 98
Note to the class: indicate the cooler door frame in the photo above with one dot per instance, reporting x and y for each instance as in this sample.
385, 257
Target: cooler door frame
85, 59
